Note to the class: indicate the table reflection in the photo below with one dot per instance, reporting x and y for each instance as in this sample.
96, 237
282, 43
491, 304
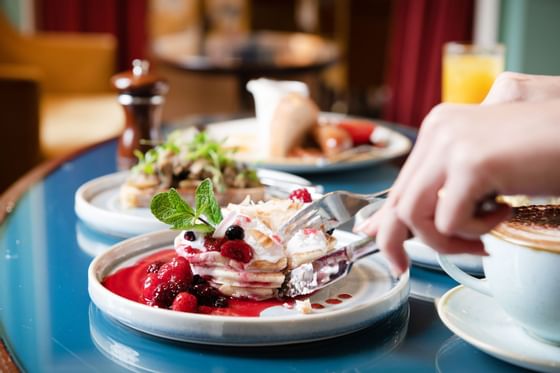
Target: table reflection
473, 360
92, 242
359, 351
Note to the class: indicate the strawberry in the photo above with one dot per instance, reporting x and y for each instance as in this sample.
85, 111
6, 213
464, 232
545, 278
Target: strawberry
185, 302
237, 250
176, 270
150, 284
360, 130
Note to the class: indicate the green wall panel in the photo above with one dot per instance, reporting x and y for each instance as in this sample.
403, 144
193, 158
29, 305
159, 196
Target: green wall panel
530, 29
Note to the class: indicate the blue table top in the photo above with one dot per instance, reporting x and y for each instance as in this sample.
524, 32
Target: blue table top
49, 324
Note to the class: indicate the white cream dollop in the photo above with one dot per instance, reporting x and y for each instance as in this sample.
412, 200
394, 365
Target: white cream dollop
307, 240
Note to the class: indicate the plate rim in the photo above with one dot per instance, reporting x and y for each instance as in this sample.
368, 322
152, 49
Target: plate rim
84, 208
95, 288
495, 351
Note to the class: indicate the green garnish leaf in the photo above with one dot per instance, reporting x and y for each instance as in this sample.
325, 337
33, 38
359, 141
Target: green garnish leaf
206, 203
169, 208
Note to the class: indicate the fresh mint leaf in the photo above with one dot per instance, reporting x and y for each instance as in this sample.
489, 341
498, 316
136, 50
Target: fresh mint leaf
206, 203
170, 208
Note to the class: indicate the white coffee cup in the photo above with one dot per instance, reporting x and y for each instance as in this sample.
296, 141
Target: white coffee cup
522, 270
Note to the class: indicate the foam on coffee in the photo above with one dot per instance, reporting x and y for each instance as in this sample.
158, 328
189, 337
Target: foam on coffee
535, 226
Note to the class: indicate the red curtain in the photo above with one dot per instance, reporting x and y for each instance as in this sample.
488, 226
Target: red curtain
126, 19
419, 30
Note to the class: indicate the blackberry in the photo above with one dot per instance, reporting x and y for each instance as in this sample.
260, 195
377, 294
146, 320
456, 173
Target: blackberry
206, 294
165, 293
221, 302
190, 236
198, 279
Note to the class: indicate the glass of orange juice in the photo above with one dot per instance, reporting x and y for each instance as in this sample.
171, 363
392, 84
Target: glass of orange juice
469, 71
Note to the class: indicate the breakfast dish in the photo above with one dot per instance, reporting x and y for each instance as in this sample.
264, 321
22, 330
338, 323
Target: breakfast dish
368, 295
237, 251
244, 257
182, 162
480, 321
331, 141
98, 202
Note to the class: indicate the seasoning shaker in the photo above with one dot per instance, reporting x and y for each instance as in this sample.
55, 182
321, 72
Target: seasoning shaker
142, 95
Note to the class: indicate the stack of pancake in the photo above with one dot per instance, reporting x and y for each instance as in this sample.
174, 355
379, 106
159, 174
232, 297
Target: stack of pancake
262, 276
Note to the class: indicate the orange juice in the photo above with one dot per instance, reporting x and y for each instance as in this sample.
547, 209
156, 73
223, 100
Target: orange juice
469, 71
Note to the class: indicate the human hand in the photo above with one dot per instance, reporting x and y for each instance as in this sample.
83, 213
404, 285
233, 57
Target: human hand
512, 87
469, 151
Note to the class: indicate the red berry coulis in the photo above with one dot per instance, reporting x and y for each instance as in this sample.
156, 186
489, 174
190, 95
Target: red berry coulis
128, 282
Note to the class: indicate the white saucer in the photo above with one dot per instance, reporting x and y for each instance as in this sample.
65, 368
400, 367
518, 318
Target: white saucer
480, 321
375, 295
97, 204
424, 256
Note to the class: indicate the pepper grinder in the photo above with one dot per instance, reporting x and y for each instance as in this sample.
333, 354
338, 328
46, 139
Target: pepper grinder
142, 95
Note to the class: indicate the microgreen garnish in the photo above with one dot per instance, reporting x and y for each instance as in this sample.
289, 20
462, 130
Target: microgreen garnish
189, 150
171, 209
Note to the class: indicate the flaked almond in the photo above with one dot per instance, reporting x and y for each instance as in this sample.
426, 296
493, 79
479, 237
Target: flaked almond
263, 239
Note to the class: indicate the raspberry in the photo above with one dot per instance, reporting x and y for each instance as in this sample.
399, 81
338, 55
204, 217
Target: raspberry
213, 244
185, 302
237, 250
301, 194
177, 270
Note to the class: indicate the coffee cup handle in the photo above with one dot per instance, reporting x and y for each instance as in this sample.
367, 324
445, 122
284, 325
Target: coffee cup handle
460, 276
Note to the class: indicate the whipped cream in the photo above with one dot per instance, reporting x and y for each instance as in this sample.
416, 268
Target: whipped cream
260, 223
307, 240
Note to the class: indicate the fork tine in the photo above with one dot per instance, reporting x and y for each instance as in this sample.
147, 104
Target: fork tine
330, 211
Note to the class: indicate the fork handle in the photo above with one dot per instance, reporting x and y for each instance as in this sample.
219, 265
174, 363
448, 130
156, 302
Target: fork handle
376, 196
362, 248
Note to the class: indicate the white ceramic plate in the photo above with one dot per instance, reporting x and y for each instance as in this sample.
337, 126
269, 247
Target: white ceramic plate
480, 321
97, 204
242, 133
424, 256
375, 295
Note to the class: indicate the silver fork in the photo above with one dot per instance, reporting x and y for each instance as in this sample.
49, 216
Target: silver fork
329, 211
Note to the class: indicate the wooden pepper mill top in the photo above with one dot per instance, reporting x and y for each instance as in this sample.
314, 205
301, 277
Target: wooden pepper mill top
139, 81
142, 94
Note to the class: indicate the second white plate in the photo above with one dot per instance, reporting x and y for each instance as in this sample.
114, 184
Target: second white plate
242, 134
97, 204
